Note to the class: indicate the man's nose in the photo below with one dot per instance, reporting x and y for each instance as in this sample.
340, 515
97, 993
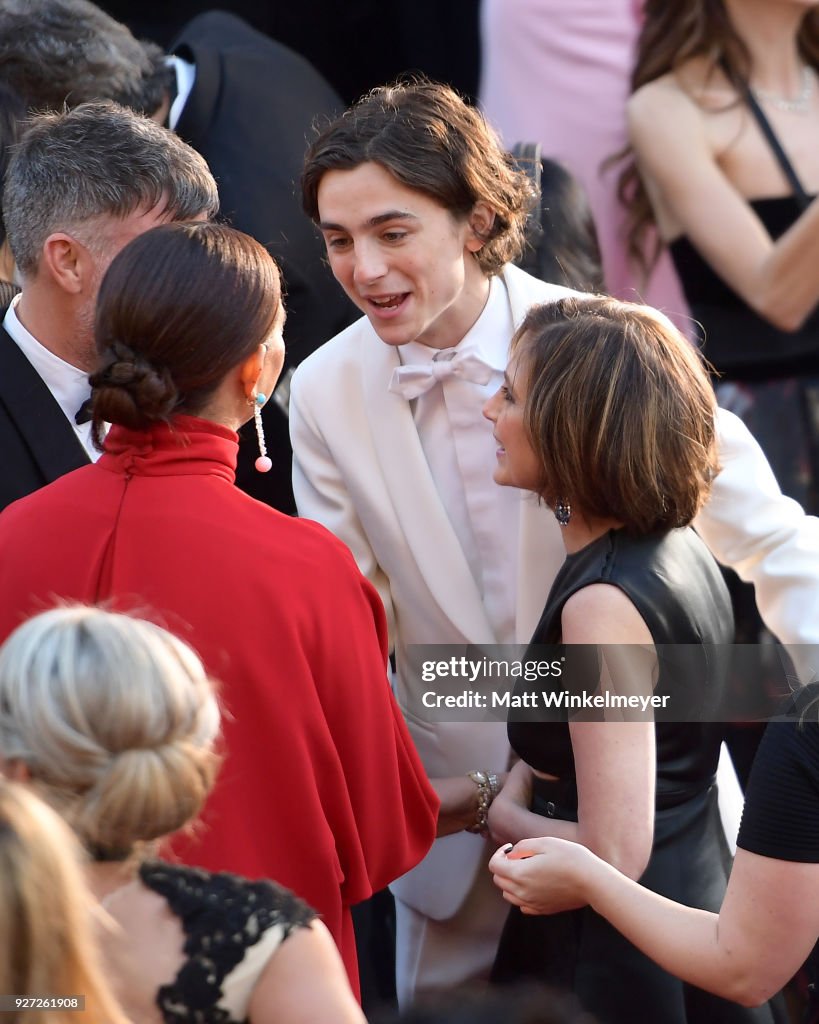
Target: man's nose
370, 264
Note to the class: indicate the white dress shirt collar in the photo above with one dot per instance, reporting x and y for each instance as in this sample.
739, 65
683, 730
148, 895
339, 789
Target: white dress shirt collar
67, 383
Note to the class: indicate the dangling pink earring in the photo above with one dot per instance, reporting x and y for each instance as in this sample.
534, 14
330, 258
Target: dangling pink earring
263, 463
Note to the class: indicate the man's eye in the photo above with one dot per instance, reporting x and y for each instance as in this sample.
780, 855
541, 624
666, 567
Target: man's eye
337, 243
394, 236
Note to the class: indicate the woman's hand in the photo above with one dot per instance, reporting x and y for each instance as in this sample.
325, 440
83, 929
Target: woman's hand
543, 876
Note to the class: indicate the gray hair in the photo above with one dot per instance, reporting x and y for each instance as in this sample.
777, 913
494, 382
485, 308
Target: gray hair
98, 160
67, 52
115, 719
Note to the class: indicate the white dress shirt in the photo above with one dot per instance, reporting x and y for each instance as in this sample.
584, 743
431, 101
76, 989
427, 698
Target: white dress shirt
185, 77
68, 384
460, 450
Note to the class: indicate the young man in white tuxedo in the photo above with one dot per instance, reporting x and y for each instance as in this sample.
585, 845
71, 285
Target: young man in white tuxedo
422, 216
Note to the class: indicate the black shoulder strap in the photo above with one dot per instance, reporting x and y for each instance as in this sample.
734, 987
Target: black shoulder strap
747, 94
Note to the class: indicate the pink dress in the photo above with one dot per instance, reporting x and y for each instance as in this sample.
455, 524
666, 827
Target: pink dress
557, 72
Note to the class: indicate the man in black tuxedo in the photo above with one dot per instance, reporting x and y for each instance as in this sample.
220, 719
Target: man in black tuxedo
343, 41
243, 101
79, 186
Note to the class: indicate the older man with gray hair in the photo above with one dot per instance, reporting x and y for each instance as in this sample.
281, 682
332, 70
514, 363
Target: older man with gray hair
80, 186
242, 100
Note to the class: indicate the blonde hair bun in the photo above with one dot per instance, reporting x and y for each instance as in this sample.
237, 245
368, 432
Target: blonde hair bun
115, 719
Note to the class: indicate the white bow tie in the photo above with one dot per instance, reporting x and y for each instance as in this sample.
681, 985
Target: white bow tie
412, 381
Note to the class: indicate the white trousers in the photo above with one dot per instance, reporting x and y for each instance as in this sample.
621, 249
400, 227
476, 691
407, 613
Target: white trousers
433, 956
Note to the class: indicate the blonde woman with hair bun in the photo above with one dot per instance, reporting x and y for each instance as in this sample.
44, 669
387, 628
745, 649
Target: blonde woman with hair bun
45, 917
114, 722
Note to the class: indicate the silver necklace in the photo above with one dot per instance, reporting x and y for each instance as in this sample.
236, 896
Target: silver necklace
799, 104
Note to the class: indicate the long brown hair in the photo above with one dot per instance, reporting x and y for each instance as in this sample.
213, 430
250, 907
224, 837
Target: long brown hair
672, 34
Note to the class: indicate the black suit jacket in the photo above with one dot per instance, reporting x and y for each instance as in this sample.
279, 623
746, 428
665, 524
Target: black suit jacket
342, 39
37, 442
250, 115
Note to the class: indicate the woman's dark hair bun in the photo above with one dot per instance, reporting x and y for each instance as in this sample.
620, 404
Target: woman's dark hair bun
129, 390
179, 310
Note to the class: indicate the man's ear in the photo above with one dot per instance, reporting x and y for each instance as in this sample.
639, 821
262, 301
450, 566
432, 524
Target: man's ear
481, 220
251, 371
67, 262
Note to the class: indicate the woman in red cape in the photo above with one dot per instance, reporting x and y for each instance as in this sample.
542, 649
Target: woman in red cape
321, 789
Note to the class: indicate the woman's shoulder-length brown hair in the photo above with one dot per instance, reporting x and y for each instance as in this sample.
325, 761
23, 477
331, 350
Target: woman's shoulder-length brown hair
620, 411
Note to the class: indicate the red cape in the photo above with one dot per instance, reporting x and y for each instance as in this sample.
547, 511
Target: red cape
321, 788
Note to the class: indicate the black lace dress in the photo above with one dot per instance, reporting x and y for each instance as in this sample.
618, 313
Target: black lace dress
232, 927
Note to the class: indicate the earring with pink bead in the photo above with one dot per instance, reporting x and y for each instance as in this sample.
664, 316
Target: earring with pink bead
263, 463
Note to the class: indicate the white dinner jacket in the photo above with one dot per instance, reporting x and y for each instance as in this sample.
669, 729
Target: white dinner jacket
359, 468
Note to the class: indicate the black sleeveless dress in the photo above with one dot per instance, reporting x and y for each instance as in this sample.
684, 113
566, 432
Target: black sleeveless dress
768, 377
742, 345
679, 591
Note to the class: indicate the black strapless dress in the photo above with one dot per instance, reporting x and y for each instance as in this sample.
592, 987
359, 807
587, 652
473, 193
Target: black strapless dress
678, 589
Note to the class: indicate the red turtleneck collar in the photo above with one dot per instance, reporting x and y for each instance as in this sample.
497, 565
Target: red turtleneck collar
187, 446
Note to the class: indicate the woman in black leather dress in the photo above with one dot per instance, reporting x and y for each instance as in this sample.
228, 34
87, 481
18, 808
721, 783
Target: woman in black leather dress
608, 415
769, 921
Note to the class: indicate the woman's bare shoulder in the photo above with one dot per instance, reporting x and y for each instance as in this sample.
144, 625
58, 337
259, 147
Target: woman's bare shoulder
669, 127
670, 95
664, 89
698, 86
602, 613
